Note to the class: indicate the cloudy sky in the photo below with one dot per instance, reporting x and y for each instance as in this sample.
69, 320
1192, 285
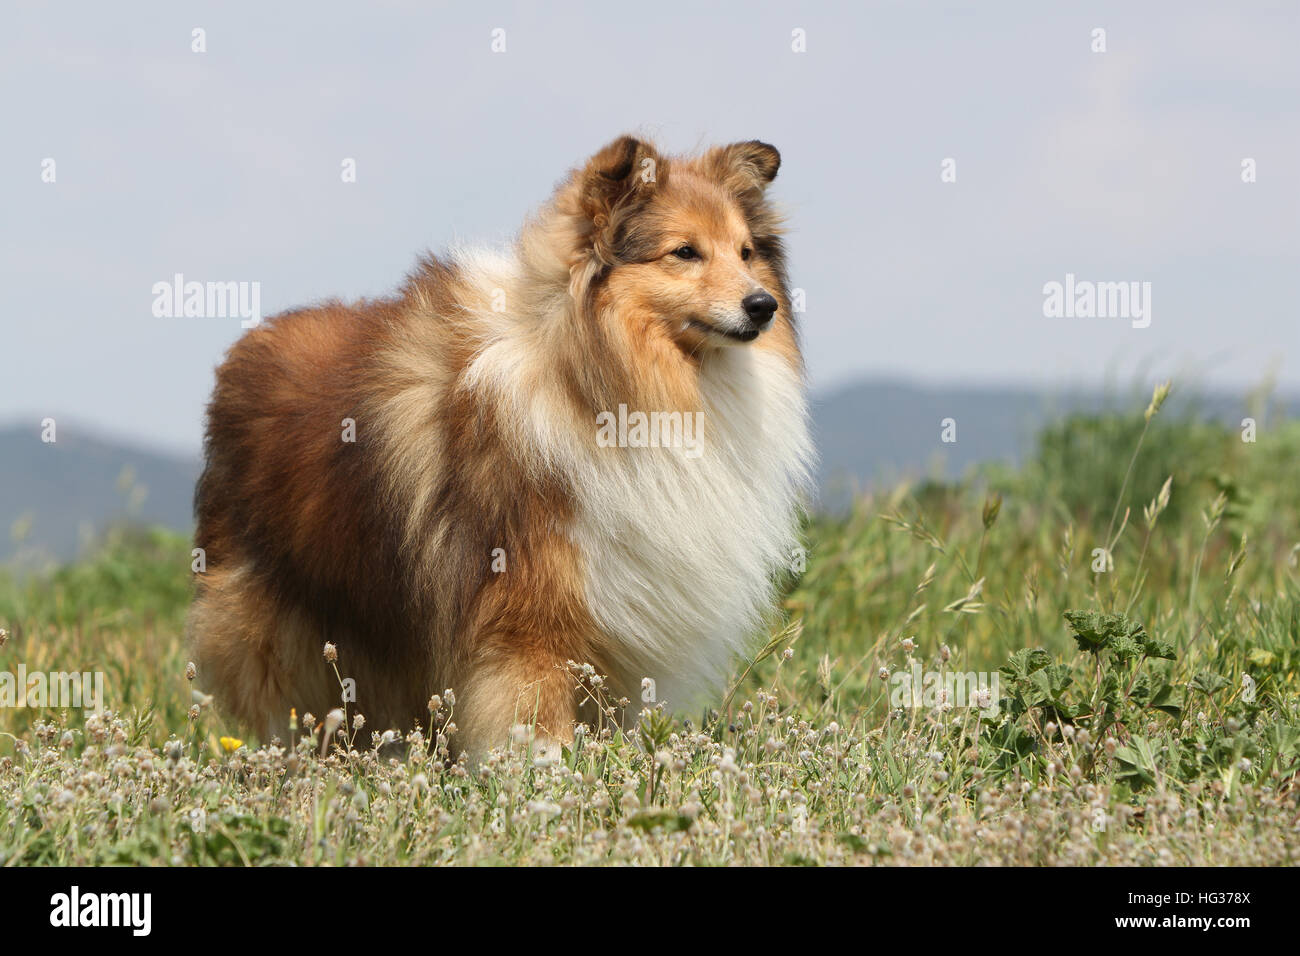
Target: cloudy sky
1116, 166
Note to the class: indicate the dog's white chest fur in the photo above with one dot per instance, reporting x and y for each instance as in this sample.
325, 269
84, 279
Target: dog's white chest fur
680, 551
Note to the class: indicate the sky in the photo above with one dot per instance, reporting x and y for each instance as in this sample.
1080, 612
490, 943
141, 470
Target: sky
1122, 165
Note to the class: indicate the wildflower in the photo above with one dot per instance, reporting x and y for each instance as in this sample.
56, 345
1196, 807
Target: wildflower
909, 645
231, 744
728, 762
331, 653
543, 808
191, 671
333, 721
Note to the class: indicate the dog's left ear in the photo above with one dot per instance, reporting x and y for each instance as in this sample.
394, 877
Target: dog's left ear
744, 168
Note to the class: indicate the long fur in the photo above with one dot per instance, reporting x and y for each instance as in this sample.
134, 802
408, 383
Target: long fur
475, 393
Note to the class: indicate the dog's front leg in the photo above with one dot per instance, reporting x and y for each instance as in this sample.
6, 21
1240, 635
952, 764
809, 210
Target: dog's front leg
515, 689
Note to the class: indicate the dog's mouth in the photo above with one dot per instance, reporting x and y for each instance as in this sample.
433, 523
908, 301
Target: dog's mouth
748, 335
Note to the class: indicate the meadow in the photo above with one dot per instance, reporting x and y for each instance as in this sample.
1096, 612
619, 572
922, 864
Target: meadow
1090, 659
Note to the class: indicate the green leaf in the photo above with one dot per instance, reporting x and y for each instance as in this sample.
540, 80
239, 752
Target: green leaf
1166, 699
1095, 632
1137, 763
1208, 682
1261, 657
853, 842
1155, 647
1024, 662
652, 817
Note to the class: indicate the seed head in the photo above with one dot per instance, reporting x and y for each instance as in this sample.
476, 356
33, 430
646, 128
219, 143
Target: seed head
992, 506
1158, 397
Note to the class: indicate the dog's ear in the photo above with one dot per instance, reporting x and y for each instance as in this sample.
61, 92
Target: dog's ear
744, 168
623, 168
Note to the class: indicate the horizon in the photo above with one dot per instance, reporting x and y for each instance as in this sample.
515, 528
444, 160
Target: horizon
818, 398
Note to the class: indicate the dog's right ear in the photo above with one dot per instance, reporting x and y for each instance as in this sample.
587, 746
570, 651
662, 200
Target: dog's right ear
624, 168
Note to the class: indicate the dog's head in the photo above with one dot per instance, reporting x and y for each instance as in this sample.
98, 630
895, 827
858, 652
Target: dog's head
689, 243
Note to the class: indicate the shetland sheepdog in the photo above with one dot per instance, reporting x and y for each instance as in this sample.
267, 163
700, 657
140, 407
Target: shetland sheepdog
455, 485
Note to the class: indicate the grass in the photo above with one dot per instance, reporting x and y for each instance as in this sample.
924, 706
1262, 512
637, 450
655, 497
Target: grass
1136, 705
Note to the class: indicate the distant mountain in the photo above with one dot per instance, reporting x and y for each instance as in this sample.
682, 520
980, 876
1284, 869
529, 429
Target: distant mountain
53, 497
872, 433
876, 432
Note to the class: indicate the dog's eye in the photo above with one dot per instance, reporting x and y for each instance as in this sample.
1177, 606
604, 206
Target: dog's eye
686, 252
746, 253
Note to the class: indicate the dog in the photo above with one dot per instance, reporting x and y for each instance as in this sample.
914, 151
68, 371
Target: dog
456, 486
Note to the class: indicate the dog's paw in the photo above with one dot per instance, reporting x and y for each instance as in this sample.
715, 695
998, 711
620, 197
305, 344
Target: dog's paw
545, 750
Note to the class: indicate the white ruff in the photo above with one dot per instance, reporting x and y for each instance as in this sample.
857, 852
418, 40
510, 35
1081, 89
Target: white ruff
680, 552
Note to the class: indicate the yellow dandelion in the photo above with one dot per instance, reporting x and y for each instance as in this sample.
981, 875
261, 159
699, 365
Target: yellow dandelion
231, 744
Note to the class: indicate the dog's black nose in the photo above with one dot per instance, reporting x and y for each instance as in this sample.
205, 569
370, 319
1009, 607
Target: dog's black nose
760, 307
